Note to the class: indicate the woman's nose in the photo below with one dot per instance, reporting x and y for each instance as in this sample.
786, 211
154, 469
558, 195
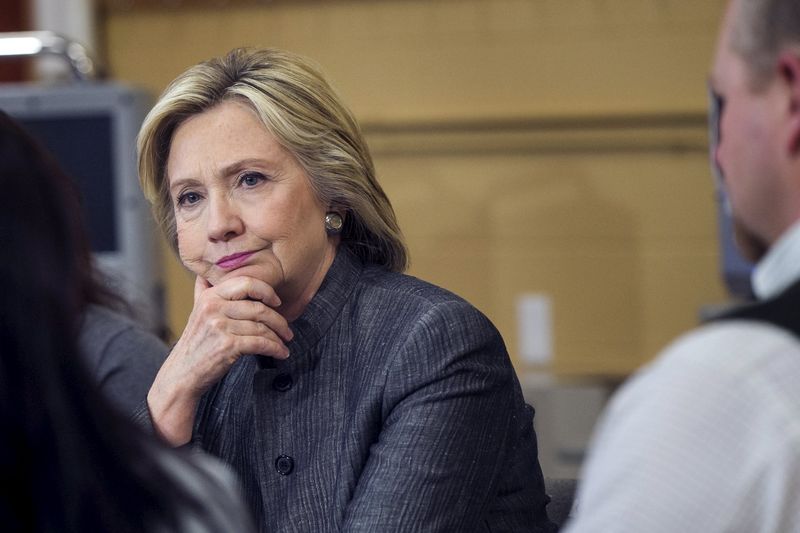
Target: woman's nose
224, 221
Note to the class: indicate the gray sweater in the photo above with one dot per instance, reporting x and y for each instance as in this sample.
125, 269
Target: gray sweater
123, 357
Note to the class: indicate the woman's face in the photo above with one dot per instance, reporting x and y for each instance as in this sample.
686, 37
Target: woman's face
244, 206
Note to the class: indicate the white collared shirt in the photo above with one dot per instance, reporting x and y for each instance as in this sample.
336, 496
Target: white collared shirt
707, 437
780, 267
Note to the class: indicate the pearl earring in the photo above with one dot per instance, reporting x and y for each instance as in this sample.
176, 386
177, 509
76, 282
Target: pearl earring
333, 223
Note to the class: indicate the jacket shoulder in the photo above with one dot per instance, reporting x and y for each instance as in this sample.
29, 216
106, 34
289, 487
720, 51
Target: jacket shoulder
403, 287
393, 301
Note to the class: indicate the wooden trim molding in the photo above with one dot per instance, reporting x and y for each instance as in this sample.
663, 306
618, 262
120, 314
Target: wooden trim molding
613, 133
131, 5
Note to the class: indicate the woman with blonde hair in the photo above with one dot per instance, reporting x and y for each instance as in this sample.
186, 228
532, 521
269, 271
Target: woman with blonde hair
347, 395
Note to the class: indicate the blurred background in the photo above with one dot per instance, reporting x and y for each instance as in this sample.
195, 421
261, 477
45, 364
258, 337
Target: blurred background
547, 159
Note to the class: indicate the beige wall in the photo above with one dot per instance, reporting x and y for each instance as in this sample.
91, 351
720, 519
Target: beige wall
545, 146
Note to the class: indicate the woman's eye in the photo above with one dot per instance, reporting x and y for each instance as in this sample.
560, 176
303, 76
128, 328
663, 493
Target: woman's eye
251, 179
188, 198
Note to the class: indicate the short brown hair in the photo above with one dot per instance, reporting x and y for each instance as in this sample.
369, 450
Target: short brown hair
761, 30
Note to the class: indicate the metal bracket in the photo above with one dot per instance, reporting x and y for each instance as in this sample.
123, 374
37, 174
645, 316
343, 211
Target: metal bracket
36, 43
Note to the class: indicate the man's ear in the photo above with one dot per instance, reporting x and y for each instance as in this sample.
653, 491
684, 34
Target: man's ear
789, 72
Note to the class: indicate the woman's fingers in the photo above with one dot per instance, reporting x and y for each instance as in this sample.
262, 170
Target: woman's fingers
246, 298
248, 328
268, 345
228, 320
247, 288
220, 323
257, 312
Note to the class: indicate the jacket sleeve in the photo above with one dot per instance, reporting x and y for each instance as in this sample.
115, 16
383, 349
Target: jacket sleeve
130, 365
123, 357
454, 419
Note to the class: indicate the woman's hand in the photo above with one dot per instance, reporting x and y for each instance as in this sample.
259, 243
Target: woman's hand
229, 320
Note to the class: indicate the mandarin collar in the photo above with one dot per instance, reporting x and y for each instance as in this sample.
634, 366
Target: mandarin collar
327, 303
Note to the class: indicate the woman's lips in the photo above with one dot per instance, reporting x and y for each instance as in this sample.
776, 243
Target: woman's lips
232, 261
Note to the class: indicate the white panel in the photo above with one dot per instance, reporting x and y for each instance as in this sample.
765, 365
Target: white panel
535, 326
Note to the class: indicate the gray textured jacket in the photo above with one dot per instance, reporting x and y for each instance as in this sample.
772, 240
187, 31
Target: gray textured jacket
398, 410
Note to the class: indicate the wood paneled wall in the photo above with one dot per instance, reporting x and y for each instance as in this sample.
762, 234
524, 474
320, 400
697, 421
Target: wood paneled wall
544, 146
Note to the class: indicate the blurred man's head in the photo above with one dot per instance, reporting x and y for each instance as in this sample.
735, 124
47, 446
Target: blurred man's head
756, 80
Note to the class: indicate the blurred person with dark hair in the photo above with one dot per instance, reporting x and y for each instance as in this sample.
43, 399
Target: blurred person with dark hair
69, 461
121, 354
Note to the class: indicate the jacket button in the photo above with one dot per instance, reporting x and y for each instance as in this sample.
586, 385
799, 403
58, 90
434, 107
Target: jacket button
282, 382
284, 465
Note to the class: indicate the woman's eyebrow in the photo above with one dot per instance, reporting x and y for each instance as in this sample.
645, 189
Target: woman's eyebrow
237, 166
182, 182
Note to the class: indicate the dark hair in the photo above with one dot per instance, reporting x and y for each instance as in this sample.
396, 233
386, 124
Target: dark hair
69, 461
91, 284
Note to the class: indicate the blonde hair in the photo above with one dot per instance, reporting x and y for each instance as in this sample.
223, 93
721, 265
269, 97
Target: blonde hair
305, 115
